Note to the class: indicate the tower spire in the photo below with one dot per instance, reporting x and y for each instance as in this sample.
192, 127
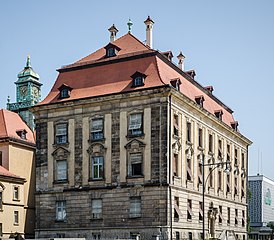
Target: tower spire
129, 24
28, 62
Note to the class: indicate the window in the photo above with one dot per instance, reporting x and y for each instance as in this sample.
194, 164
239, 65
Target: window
199, 100
176, 125
243, 160
22, 134
96, 235
220, 149
135, 207
200, 211
189, 209
176, 209
61, 133
64, 93
235, 186
210, 177
96, 209
228, 153
61, 170
175, 164
16, 217
97, 167
61, 210
227, 183
189, 170
135, 164
111, 52
176, 83
188, 130
236, 216
190, 236
210, 143
200, 174
1, 199
97, 129
200, 137
228, 215
219, 180
1, 230
15, 193
218, 114
243, 188
243, 218
220, 215
236, 157
177, 235
135, 124
138, 81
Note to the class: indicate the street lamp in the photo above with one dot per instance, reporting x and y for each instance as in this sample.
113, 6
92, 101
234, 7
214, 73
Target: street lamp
226, 170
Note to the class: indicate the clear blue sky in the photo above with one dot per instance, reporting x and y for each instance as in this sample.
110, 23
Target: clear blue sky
230, 44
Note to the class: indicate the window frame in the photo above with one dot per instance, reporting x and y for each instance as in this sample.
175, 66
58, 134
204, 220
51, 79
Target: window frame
135, 207
16, 193
136, 124
94, 132
100, 170
96, 209
59, 135
16, 217
57, 170
61, 207
130, 167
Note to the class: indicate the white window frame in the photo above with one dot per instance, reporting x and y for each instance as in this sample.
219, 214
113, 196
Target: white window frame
61, 134
61, 213
96, 208
97, 167
135, 208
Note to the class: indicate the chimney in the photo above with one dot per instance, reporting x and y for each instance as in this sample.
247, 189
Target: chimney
149, 23
113, 31
181, 63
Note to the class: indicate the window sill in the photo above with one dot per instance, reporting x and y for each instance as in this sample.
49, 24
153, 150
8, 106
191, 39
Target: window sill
15, 224
16, 200
97, 140
200, 148
60, 181
177, 137
189, 220
141, 135
134, 217
137, 85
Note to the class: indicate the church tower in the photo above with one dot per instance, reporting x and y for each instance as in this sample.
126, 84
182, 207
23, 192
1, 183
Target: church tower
28, 93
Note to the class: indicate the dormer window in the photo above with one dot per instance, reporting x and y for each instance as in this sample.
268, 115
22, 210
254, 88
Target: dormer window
64, 91
138, 79
200, 100
219, 114
111, 50
176, 83
234, 125
22, 133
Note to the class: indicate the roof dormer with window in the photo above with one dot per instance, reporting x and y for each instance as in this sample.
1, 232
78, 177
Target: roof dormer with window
138, 79
200, 100
176, 83
65, 91
219, 114
111, 50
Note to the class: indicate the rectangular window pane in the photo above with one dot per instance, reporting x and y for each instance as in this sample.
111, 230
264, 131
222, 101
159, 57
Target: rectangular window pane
16, 193
97, 128
96, 208
61, 133
61, 170
97, 170
135, 207
135, 165
135, 124
60, 210
16, 217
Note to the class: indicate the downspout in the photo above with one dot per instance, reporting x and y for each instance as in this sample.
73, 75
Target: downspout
169, 160
247, 194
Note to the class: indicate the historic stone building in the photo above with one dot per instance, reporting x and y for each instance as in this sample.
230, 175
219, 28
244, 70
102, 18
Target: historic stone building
120, 142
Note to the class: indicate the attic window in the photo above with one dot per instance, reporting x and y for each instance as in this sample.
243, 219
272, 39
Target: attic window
176, 83
218, 114
200, 100
234, 125
138, 79
22, 133
111, 50
191, 73
64, 91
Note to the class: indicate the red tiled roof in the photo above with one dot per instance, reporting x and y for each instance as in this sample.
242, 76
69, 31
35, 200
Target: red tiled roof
11, 123
96, 75
5, 172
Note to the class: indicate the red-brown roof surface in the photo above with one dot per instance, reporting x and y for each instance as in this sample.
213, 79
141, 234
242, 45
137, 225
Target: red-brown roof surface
5, 172
97, 75
11, 123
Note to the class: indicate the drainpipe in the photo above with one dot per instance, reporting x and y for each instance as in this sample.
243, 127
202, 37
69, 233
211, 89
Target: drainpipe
170, 175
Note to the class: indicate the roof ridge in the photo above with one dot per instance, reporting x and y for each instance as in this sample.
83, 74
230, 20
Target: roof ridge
129, 33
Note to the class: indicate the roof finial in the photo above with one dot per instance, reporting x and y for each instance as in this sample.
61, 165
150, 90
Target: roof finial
28, 62
129, 24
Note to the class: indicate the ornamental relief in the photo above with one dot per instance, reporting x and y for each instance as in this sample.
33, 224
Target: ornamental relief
61, 153
96, 149
135, 146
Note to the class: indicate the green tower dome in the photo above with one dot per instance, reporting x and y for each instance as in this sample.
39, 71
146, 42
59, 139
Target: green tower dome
27, 73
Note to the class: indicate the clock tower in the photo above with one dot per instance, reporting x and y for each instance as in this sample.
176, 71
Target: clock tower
28, 93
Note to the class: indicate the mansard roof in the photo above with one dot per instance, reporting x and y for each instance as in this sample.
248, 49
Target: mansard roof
97, 75
11, 124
